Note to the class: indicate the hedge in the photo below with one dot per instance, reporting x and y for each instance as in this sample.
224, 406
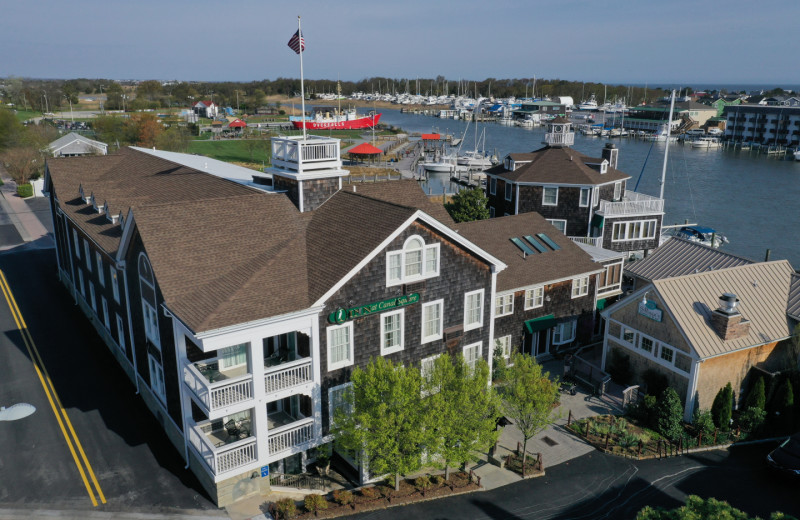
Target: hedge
25, 190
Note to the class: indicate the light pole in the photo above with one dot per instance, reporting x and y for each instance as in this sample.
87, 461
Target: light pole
46, 104
71, 115
102, 101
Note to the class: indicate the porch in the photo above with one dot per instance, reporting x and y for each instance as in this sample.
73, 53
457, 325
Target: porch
302, 155
632, 203
225, 445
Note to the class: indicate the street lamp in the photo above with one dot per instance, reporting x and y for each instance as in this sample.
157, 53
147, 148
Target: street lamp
71, 115
46, 104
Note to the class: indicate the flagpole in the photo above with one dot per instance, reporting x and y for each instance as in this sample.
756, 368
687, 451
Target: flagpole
302, 91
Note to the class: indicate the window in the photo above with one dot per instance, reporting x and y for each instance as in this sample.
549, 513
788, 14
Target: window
580, 286
339, 400
509, 190
392, 331
646, 344
628, 335
491, 211
559, 224
473, 310
80, 284
92, 300
586, 194
667, 354
340, 346
234, 356
426, 368
114, 283
534, 298
617, 190
636, 230
493, 186
504, 305
564, 332
472, 353
550, 195
88, 255
106, 317
157, 378
147, 286
415, 262
100, 273
120, 332
432, 321
77, 243
503, 345
595, 196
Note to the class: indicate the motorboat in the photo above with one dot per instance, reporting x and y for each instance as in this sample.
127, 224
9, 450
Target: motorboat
590, 104
700, 234
797, 155
443, 163
706, 142
475, 159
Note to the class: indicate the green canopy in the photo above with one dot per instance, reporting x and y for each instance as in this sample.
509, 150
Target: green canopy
601, 304
597, 221
537, 324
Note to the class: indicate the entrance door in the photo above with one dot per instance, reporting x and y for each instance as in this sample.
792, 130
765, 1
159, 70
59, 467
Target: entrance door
294, 464
539, 343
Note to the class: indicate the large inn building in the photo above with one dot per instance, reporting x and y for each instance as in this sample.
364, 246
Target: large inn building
240, 306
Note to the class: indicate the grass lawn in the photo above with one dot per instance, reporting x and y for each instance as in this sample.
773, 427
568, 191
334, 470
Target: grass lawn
233, 150
24, 115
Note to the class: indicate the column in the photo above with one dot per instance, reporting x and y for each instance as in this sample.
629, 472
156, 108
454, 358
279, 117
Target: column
256, 354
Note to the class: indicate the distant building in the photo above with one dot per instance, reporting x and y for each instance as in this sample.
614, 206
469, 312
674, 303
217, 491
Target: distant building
767, 125
207, 109
75, 145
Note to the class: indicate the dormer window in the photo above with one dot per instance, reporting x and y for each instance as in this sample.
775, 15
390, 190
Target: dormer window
416, 261
103, 209
82, 194
509, 165
121, 219
603, 167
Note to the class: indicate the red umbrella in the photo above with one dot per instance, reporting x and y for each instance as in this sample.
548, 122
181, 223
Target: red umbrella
237, 123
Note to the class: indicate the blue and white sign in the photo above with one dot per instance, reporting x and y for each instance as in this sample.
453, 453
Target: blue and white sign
648, 309
264, 471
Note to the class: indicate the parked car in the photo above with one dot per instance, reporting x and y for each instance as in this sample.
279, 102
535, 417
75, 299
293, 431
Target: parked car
786, 457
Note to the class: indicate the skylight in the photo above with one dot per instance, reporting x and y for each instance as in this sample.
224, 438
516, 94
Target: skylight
546, 239
535, 243
523, 246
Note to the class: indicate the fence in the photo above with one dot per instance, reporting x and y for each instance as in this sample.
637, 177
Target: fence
302, 481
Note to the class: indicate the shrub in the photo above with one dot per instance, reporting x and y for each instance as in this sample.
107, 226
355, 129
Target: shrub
757, 396
619, 367
752, 418
343, 497
644, 410
369, 492
643, 437
423, 482
627, 440
314, 503
600, 429
656, 381
286, 508
704, 422
722, 408
25, 190
437, 480
669, 414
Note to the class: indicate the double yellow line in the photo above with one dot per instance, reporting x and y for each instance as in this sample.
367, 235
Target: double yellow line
82, 463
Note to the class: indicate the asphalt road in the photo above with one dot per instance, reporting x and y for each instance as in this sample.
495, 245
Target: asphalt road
136, 468
597, 486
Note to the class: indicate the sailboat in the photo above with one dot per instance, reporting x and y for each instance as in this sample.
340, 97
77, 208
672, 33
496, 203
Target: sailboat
475, 159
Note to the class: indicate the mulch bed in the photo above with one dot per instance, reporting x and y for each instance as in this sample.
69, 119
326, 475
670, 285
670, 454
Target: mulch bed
532, 466
387, 497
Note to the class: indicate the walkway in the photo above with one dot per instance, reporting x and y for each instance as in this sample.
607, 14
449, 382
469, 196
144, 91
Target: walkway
18, 222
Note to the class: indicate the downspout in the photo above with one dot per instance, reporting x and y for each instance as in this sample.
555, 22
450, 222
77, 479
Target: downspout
121, 267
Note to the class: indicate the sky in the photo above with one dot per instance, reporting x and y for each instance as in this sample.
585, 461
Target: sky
616, 41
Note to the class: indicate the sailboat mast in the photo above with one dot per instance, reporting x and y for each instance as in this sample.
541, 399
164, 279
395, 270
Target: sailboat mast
666, 150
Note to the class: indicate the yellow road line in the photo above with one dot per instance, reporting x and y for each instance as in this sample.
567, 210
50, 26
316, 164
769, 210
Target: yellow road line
52, 395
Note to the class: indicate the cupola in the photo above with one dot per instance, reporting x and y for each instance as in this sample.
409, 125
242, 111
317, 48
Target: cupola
559, 133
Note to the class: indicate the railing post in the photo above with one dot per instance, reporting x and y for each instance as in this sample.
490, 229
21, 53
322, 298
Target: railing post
569, 418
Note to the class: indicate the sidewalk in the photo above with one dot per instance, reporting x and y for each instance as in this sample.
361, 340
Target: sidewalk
24, 220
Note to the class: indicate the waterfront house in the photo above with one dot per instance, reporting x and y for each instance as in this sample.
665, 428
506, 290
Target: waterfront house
75, 145
700, 331
583, 197
207, 109
765, 125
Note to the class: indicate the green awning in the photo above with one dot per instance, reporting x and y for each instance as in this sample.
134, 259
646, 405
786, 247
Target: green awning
597, 221
537, 324
601, 304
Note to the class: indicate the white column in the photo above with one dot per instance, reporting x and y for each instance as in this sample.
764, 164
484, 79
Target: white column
256, 353
316, 394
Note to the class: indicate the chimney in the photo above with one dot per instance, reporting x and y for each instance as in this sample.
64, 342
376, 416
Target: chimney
610, 153
726, 320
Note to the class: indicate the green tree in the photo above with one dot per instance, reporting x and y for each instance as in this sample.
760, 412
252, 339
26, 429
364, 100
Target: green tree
704, 422
114, 94
462, 410
110, 129
174, 139
669, 414
11, 130
697, 508
722, 408
468, 205
757, 396
386, 425
529, 397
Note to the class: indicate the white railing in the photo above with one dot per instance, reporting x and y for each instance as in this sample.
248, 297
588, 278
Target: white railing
220, 394
632, 204
592, 241
291, 435
287, 375
559, 139
225, 458
312, 150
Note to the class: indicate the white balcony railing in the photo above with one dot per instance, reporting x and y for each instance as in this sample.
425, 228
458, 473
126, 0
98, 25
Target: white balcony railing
592, 241
632, 204
287, 375
224, 458
220, 394
290, 436
559, 138
313, 153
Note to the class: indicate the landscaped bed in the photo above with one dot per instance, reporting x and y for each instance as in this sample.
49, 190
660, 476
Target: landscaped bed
381, 496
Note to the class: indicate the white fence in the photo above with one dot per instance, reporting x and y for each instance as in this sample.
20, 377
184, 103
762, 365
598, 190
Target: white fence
220, 394
287, 375
632, 204
291, 435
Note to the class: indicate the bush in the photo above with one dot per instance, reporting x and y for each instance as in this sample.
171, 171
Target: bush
369, 492
669, 414
643, 437
314, 503
704, 422
343, 497
757, 396
423, 482
722, 408
437, 480
600, 429
286, 508
25, 190
644, 410
655, 381
752, 418
619, 367
627, 440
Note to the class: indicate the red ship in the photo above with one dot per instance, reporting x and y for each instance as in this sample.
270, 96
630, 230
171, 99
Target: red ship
330, 118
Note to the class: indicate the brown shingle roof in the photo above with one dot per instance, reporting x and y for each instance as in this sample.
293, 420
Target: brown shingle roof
495, 235
559, 166
406, 192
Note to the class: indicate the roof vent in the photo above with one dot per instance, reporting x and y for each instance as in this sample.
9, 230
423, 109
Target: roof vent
728, 303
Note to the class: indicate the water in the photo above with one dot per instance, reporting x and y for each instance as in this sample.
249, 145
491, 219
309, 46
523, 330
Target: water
751, 199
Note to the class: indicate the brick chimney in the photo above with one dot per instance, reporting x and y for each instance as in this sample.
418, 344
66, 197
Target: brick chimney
726, 319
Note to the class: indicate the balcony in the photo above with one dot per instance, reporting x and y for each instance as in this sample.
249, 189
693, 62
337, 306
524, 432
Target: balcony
306, 155
559, 139
287, 433
592, 241
286, 378
218, 389
224, 449
632, 203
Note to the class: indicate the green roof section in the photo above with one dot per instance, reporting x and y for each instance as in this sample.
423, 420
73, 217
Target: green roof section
543, 323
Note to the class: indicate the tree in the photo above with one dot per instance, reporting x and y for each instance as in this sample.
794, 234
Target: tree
697, 508
669, 414
110, 129
462, 410
722, 408
11, 129
174, 139
114, 94
23, 163
757, 396
468, 205
529, 397
146, 128
386, 426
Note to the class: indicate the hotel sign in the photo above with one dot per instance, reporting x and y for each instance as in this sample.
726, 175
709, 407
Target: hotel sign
649, 309
342, 315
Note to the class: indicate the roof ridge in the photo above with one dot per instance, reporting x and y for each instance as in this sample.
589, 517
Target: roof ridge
254, 194
395, 204
719, 272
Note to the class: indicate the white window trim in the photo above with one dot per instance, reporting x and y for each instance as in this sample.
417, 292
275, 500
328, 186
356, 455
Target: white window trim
595, 196
479, 323
503, 342
425, 274
100, 273
580, 287
617, 190
491, 212
150, 328
422, 374
439, 334
560, 326
347, 362
509, 191
331, 390
391, 350
77, 243
500, 305
479, 344
554, 220
588, 192
534, 306
92, 297
544, 196
80, 281
628, 224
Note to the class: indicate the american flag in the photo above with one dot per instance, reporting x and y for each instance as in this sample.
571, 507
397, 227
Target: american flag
297, 43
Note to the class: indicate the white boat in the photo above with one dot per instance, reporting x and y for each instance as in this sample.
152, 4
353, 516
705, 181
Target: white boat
797, 155
525, 123
700, 234
706, 142
475, 159
661, 135
590, 104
